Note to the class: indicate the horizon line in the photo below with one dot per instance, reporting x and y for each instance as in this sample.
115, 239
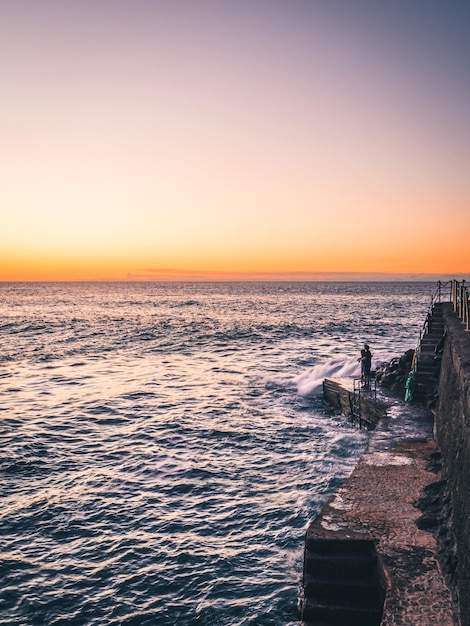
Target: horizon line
170, 275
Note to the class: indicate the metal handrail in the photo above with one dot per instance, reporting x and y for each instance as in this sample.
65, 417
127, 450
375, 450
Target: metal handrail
459, 296
436, 297
460, 301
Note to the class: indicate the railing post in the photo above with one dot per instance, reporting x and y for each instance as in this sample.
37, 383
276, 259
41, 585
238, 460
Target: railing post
438, 290
465, 311
462, 294
467, 324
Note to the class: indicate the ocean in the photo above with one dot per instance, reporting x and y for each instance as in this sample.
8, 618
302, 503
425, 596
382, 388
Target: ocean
165, 445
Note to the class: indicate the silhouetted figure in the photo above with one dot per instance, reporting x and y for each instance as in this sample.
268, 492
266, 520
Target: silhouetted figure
366, 363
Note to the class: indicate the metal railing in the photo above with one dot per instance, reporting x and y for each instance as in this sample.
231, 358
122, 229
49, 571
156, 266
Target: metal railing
460, 300
437, 296
459, 295
360, 389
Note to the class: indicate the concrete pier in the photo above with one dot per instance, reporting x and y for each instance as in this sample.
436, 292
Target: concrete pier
376, 553
377, 504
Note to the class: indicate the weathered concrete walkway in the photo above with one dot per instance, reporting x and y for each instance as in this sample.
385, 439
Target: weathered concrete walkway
378, 502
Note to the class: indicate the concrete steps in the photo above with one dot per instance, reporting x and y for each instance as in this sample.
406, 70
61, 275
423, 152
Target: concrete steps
429, 363
343, 585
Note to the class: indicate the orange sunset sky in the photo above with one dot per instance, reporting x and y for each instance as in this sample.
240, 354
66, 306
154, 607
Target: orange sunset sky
158, 140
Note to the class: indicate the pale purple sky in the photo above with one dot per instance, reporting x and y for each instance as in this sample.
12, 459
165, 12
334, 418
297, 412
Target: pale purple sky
237, 136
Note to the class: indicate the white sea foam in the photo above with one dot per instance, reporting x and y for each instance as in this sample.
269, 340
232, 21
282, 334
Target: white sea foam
311, 381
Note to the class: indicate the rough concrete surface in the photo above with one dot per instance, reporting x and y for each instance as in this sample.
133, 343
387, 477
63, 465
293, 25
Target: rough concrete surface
452, 430
379, 500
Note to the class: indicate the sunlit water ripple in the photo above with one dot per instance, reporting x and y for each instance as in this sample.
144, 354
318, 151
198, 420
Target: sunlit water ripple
164, 445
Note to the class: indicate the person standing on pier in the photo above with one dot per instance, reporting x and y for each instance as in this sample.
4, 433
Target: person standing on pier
366, 362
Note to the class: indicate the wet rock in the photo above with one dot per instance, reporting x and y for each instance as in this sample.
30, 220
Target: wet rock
394, 373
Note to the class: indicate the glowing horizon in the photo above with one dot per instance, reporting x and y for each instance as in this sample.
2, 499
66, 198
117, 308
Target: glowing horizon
233, 139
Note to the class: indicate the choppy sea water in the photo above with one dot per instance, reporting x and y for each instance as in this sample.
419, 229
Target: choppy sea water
164, 446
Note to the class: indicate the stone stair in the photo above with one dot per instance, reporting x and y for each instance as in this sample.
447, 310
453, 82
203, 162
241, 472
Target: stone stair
429, 361
343, 583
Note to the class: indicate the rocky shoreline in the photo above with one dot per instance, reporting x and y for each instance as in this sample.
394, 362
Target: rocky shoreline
393, 374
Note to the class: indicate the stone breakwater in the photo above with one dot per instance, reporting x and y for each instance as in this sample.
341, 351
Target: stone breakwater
379, 503
408, 498
452, 432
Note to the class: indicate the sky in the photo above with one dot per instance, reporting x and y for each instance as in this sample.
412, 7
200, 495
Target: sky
169, 139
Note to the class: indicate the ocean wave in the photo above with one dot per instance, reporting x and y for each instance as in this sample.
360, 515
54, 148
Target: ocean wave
165, 446
311, 381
